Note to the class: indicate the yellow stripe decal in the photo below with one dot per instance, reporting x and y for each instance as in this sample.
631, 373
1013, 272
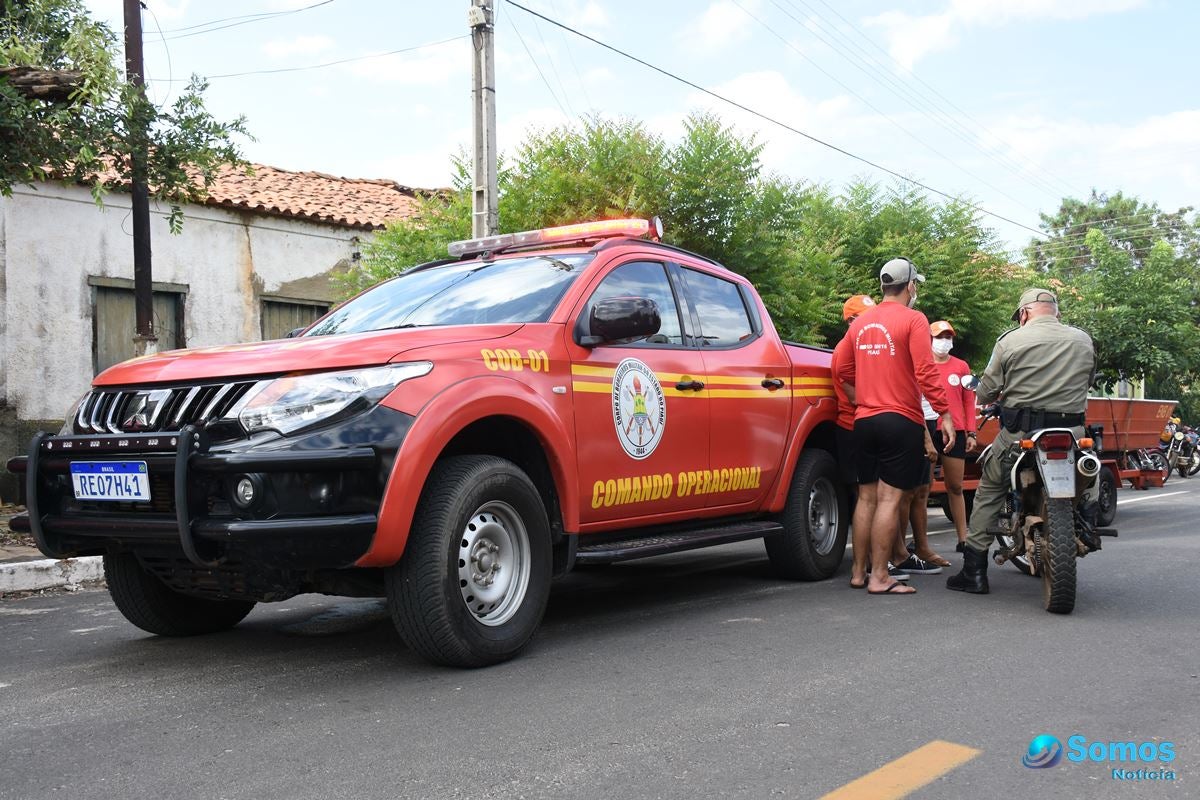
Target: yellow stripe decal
584, 386
906, 774
593, 372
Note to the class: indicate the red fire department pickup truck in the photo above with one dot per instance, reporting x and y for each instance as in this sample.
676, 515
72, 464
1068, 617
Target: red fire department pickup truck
452, 439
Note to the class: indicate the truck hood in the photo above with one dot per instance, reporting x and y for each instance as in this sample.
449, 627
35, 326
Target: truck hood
303, 354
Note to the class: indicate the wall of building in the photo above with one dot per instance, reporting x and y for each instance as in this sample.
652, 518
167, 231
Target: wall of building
54, 239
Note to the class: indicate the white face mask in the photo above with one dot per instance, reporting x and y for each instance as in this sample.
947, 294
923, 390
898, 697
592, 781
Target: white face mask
942, 347
912, 298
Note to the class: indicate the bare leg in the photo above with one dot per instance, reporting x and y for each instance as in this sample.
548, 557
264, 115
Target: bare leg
952, 474
864, 512
884, 530
920, 525
899, 551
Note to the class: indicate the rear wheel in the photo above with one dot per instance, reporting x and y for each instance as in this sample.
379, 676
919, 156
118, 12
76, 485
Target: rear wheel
815, 521
1106, 498
1058, 558
1160, 463
151, 605
472, 586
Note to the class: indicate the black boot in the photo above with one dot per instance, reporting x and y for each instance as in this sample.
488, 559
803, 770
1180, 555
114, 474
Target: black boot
973, 577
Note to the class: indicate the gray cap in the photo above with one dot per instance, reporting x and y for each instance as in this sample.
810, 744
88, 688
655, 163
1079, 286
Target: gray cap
1031, 296
899, 271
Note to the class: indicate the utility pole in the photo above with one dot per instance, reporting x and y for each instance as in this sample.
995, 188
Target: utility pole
144, 340
485, 214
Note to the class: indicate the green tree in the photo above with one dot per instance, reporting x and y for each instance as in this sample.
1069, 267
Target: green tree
805, 248
66, 114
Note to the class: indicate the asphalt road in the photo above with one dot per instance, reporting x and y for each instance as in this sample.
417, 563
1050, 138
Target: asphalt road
683, 676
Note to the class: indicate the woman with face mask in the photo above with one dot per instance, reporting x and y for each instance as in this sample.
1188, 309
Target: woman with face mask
962, 410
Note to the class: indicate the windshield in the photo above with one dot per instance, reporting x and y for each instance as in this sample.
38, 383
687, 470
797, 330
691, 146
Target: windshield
467, 293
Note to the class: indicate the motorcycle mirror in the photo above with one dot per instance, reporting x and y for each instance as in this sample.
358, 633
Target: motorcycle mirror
969, 382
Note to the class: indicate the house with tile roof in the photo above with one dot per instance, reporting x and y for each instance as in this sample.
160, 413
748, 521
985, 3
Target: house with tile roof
254, 261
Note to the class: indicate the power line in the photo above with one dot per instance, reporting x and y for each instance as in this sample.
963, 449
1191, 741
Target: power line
867, 65
327, 63
245, 19
774, 121
538, 67
873, 107
553, 65
1061, 182
167, 51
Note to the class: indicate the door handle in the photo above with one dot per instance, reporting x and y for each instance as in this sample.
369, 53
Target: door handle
694, 386
773, 383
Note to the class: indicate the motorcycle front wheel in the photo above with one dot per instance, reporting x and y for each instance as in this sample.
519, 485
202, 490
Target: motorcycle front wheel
1161, 464
1058, 556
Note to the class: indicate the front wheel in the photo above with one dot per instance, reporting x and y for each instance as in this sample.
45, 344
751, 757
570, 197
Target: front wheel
474, 580
1193, 464
815, 521
1058, 559
154, 607
1159, 460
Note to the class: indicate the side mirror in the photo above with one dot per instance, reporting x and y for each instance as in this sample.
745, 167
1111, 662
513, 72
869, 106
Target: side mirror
294, 332
970, 382
616, 318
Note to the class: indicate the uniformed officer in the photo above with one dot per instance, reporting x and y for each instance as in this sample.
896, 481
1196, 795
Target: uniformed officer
1041, 372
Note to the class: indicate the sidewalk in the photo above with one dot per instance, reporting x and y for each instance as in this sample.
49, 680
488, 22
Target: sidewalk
24, 569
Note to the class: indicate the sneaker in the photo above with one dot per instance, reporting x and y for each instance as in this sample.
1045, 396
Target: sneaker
915, 566
958, 548
893, 573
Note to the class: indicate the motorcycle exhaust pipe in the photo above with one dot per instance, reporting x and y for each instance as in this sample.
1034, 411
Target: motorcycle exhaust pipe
1088, 465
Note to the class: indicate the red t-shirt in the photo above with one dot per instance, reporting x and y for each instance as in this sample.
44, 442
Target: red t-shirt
893, 363
962, 401
845, 412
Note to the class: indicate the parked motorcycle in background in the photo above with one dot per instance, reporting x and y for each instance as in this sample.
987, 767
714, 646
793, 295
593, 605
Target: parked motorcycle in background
1048, 519
1188, 463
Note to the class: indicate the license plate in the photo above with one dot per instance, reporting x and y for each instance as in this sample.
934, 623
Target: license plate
110, 480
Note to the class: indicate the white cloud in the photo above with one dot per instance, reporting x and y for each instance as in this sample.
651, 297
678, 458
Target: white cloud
593, 16
911, 38
299, 45
722, 25
166, 10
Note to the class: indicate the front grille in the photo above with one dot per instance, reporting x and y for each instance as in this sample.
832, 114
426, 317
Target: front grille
152, 410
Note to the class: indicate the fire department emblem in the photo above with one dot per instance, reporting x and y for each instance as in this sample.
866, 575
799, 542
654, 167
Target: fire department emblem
639, 409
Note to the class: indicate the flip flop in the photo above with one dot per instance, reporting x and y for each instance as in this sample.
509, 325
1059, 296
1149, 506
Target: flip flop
862, 585
890, 589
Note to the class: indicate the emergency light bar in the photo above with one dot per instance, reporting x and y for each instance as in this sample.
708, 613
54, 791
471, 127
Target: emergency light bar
584, 231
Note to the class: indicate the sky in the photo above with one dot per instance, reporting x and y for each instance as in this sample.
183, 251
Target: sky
1010, 104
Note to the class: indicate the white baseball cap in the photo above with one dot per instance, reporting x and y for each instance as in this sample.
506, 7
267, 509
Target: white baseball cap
899, 271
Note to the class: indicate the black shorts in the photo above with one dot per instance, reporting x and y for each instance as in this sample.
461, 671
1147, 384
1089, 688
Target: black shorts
847, 455
939, 441
891, 448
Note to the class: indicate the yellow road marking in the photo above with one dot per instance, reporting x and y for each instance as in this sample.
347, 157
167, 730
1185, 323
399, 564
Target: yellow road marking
906, 774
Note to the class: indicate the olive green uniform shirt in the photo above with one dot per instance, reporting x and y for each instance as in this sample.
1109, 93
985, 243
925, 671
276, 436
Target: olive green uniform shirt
1043, 365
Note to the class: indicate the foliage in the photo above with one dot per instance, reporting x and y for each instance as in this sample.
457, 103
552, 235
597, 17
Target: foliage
805, 248
88, 138
1129, 274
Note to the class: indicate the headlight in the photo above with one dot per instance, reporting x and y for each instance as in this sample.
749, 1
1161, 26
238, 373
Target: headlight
68, 427
295, 402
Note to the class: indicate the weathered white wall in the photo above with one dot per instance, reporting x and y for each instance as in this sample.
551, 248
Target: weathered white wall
53, 239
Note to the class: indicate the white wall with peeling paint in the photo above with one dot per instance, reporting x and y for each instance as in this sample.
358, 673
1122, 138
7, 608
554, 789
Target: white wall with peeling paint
54, 238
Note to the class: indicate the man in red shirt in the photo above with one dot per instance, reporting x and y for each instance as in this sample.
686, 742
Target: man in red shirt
891, 368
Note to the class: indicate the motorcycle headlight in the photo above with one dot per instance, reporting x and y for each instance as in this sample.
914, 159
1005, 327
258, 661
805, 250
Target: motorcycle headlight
295, 402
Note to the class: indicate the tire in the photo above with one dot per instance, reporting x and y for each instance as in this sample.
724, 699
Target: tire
1182, 469
1020, 562
1058, 563
1193, 464
1160, 463
815, 522
474, 580
1107, 498
154, 607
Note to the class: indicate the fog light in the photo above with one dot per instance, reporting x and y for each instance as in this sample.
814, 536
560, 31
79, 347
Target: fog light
246, 491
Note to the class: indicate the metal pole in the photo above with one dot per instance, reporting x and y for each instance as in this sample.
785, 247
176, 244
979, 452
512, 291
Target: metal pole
485, 215
144, 340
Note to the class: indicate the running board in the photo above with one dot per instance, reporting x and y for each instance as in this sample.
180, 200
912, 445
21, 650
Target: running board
657, 545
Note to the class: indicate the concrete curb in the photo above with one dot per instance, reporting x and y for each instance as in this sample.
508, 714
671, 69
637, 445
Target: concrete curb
27, 576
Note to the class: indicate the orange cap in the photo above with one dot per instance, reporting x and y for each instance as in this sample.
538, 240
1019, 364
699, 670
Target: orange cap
941, 326
856, 305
